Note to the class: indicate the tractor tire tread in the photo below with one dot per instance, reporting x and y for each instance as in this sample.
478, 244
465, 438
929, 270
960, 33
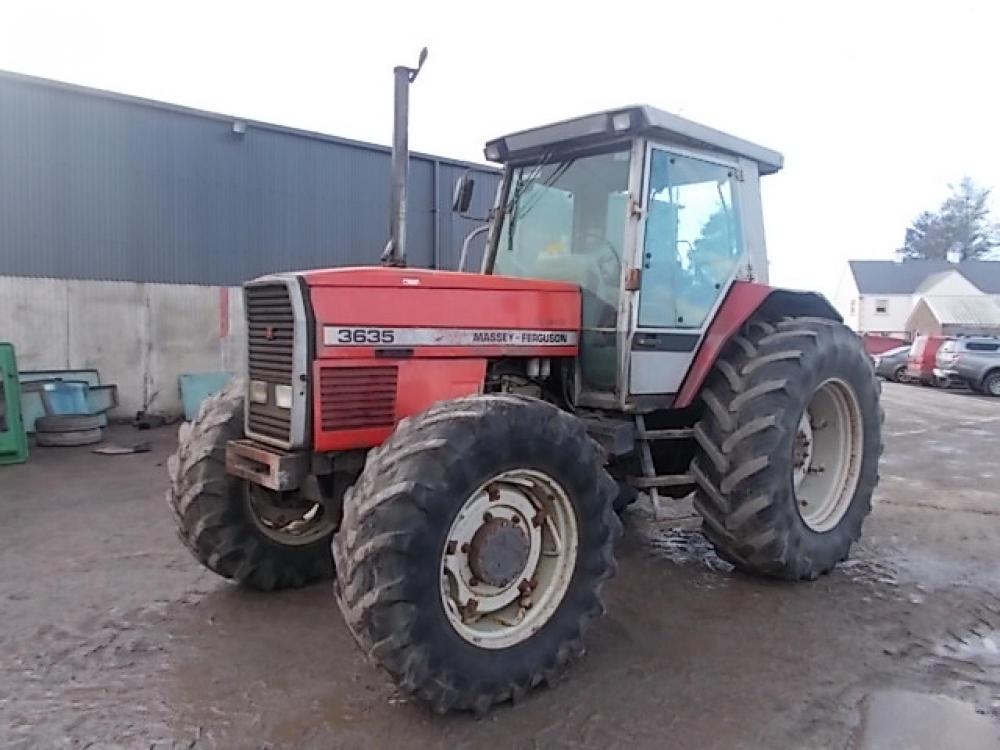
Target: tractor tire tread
213, 520
390, 520
744, 465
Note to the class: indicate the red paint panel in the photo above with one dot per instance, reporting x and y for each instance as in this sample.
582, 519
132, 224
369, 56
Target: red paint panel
453, 308
419, 384
223, 311
875, 344
378, 276
743, 299
470, 301
357, 397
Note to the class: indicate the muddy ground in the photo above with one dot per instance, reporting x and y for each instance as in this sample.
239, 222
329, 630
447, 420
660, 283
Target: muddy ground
112, 636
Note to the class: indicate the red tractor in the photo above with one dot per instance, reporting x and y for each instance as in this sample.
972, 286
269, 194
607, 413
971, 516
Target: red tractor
463, 440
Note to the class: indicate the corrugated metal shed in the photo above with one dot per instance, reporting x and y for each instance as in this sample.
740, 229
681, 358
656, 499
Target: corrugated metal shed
975, 312
96, 185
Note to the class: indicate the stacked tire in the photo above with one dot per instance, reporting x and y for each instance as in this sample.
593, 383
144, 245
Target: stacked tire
68, 430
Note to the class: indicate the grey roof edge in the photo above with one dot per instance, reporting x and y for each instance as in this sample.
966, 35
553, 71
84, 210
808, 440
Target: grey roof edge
881, 276
222, 117
654, 119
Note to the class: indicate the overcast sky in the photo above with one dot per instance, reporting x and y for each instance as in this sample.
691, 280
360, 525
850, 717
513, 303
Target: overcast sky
876, 105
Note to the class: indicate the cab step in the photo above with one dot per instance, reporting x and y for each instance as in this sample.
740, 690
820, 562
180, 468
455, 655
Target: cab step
650, 481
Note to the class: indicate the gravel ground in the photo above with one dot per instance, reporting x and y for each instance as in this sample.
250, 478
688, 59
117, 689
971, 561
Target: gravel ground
114, 637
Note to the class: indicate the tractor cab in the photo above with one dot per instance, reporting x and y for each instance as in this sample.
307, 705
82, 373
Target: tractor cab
653, 216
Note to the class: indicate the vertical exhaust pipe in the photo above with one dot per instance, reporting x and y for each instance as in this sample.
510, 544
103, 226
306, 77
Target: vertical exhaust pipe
395, 251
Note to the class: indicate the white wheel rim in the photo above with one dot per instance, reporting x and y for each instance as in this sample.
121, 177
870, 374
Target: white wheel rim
994, 386
502, 614
826, 458
293, 526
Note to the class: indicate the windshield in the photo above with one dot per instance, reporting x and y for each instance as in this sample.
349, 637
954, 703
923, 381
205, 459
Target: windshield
565, 220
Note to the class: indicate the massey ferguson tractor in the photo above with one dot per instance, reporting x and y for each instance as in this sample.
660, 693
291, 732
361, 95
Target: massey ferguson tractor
462, 440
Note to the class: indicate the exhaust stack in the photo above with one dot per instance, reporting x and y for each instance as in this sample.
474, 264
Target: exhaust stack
395, 251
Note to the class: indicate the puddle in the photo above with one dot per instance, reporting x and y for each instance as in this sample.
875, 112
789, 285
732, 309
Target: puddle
864, 570
685, 547
980, 647
903, 720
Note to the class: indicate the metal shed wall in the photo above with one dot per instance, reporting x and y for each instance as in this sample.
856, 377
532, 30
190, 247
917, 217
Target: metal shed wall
95, 185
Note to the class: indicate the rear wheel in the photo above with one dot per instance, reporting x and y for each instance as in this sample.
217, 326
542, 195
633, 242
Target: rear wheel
900, 375
789, 447
474, 547
991, 384
263, 539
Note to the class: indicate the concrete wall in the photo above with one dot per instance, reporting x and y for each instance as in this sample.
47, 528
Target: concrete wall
138, 336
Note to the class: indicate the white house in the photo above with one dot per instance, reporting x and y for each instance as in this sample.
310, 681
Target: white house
878, 296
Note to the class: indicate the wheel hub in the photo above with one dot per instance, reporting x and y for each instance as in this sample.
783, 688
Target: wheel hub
289, 520
498, 552
508, 558
826, 455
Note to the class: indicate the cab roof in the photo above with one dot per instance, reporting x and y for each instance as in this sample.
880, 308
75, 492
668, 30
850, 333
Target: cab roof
628, 122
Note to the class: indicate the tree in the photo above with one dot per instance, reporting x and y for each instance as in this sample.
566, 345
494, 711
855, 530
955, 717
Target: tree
962, 224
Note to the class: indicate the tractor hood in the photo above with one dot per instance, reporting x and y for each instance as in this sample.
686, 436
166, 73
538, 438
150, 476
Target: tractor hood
414, 278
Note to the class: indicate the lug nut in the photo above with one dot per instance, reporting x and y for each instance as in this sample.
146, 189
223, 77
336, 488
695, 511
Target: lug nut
487, 516
465, 548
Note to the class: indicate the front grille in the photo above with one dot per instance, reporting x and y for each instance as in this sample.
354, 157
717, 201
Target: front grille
270, 348
356, 397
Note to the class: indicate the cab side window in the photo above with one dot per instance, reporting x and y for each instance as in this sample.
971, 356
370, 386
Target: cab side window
692, 240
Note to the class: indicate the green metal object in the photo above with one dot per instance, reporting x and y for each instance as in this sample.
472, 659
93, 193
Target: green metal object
13, 438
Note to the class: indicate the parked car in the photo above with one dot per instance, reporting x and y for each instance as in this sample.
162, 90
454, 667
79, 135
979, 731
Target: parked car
923, 359
974, 362
892, 364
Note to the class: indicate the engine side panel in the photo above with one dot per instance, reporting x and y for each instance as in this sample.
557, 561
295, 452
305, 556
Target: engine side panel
355, 321
391, 342
358, 402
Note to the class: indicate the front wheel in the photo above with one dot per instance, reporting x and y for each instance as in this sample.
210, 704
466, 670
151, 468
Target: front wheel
788, 447
244, 532
473, 549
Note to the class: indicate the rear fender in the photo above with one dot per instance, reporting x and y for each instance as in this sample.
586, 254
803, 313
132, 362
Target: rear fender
744, 300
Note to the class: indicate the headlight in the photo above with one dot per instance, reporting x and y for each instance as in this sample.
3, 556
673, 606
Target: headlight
258, 391
283, 396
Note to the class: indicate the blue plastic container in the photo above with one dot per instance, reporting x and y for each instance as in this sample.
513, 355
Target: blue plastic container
197, 386
66, 398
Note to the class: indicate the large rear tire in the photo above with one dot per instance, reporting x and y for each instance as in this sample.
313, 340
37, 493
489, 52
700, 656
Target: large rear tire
219, 517
473, 549
788, 447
